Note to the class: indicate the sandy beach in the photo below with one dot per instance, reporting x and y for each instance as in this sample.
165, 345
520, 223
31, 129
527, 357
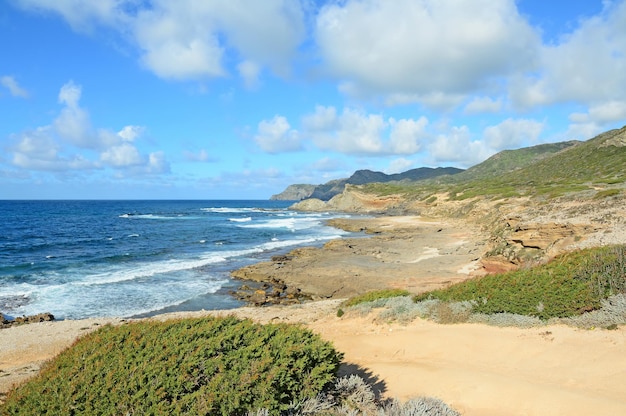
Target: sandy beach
477, 369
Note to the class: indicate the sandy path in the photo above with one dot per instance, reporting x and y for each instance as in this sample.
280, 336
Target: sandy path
477, 369
483, 370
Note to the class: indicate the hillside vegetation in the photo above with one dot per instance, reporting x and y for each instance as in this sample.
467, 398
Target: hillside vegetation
544, 171
569, 285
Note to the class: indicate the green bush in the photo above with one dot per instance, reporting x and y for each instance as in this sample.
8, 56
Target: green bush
210, 366
375, 295
569, 285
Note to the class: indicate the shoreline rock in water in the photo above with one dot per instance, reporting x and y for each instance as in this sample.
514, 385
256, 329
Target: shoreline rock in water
40, 317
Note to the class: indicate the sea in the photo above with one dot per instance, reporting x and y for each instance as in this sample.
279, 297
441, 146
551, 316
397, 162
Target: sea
81, 259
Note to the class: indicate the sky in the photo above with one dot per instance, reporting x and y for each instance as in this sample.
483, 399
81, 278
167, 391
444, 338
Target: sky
237, 99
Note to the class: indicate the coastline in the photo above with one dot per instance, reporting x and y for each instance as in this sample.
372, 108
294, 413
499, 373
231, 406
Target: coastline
406, 252
540, 371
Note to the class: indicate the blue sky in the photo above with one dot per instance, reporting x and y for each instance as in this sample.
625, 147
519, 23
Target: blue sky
212, 99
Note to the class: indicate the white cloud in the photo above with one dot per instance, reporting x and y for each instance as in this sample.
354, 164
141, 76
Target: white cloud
73, 123
602, 113
123, 155
38, 150
79, 14
70, 142
157, 163
189, 39
424, 46
14, 88
249, 72
597, 119
480, 105
399, 165
406, 135
456, 147
175, 46
130, 133
586, 66
276, 136
512, 134
351, 132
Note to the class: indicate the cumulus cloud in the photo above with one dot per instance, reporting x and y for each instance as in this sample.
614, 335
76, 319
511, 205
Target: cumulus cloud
14, 88
276, 136
351, 132
38, 150
249, 72
512, 134
79, 14
596, 120
425, 46
356, 132
73, 123
406, 135
399, 165
70, 142
457, 147
123, 155
480, 105
189, 39
587, 65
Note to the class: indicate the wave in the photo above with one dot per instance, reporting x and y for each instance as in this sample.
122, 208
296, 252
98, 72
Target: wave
245, 219
147, 270
159, 217
128, 299
290, 223
228, 210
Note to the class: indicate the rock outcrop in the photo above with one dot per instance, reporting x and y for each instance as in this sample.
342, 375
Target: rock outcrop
296, 192
41, 317
353, 200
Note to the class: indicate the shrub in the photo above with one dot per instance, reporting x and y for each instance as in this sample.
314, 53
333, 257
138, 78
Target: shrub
194, 366
570, 285
374, 295
607, 193
351, 396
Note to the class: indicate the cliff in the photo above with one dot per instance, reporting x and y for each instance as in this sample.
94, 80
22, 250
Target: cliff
295, 192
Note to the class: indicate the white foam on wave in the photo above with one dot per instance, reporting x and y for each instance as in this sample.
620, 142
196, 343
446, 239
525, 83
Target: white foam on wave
74, 302
245, 219
158, 217
228, 210
290, 223
141, 271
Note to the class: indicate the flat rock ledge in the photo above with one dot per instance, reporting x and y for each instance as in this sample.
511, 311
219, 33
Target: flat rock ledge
263, 290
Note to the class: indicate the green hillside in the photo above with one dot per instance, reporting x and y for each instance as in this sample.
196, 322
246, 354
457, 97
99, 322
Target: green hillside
551, 170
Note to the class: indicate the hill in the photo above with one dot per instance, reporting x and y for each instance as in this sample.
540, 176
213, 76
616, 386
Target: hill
326, 191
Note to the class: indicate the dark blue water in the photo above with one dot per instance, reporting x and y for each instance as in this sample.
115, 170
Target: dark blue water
80, 259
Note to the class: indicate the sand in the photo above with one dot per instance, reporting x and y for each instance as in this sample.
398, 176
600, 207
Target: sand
477, 369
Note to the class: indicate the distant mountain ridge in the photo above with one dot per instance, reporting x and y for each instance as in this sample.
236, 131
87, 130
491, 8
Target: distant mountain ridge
326, 191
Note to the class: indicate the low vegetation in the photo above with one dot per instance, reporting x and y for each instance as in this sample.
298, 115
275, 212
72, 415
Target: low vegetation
586, 289
375, 295
569, 285
211, 366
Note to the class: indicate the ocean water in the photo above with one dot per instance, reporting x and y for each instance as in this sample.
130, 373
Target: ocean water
79, 259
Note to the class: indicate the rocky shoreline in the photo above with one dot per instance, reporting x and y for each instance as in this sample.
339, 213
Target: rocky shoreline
5, 322
406, 252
